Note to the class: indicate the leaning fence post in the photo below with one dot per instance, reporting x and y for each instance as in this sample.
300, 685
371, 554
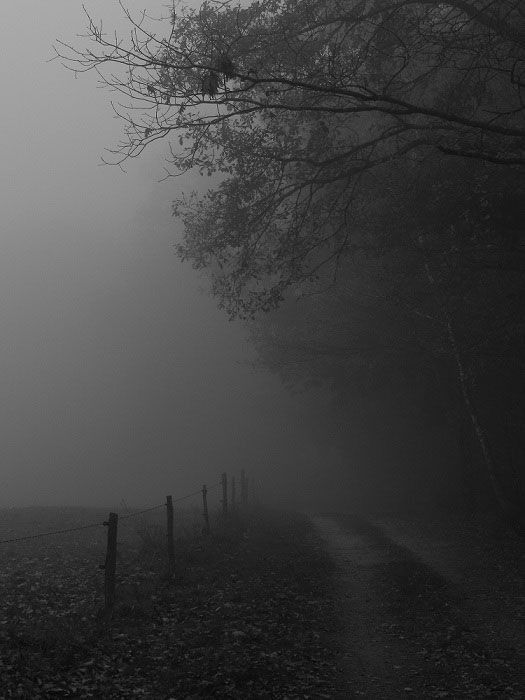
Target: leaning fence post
169, 519
224, 480
110, 565
205, 509
233, 504
244, 488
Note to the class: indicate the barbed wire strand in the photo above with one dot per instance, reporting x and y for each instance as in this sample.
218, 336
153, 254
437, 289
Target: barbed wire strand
189, 495
140, 512
88, 526
52, 532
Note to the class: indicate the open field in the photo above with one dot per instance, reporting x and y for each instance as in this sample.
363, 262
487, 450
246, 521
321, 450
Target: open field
248, 612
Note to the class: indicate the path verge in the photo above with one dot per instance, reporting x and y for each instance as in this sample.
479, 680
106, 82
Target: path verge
405, 632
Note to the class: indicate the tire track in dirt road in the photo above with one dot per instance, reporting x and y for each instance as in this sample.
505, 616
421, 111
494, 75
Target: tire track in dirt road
404, 633
485, 564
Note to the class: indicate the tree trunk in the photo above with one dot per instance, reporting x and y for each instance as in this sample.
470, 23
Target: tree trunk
509, 510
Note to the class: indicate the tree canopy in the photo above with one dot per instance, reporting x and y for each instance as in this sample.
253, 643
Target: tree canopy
294, 105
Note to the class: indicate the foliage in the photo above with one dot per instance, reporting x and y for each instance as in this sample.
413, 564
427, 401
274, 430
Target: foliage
432, 279
377, 143
290, 103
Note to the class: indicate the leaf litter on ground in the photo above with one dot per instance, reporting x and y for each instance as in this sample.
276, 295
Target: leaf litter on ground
248, 612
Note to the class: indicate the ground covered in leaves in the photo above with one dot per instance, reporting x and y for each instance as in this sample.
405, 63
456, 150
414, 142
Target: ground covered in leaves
248, 613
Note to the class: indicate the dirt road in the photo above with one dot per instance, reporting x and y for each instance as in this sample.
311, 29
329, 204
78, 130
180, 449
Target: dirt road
407, 632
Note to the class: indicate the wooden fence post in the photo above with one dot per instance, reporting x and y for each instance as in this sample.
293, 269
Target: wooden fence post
110, 565
171, 548
205, 510
244, 488
224, 494
233, 503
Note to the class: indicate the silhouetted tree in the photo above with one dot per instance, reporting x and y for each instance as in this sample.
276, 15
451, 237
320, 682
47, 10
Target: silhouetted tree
290, 102
343, 132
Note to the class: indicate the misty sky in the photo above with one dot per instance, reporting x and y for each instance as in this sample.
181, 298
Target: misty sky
119, 378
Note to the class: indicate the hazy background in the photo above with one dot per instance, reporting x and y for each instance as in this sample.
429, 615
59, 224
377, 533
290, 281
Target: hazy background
119, 378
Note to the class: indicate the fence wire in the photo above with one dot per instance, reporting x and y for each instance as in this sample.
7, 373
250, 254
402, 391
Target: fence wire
88, 526
52, 532
140, 512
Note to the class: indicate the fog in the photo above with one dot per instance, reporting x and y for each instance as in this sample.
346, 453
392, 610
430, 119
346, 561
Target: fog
347, 331
120, 378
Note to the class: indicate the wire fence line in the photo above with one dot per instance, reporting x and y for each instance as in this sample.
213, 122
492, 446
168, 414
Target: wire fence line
88, 526
110, 564
51, 532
